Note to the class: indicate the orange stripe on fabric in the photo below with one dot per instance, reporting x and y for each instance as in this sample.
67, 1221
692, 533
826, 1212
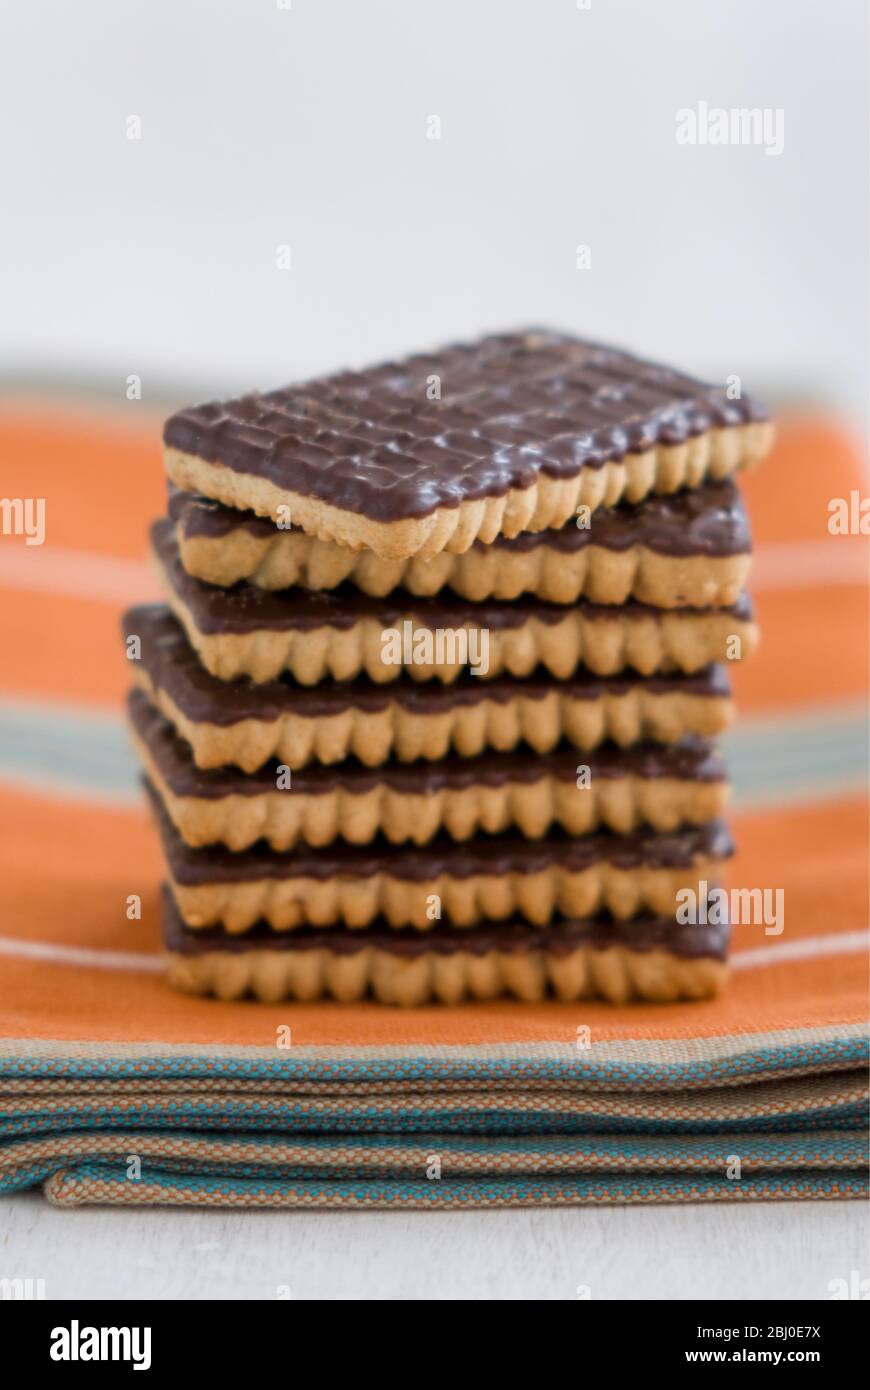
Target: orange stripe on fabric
67, 872
813, 460
813, 640
69, 649
813, 649
818, 856
100, 473
55, 1002
67, 876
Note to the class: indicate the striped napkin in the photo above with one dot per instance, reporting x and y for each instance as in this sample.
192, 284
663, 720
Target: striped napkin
115, 1089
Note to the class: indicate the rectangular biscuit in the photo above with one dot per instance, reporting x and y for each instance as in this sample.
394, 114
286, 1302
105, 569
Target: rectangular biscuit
647, 958
507, 434
489, 877
689, 549
246, 725
343, 634
661, 785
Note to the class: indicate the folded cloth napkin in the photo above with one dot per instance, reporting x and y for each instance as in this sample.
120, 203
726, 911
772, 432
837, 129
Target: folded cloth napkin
114, 1089
776, 1115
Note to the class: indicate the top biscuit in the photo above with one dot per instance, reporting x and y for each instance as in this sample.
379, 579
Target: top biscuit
515, 432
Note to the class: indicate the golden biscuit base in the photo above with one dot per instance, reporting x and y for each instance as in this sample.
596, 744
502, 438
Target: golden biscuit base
614, 973
290, 558
548, 502
374, 736
297, 901
288, 817
645, 641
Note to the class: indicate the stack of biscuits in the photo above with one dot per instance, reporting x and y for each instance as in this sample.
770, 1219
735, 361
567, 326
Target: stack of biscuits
429, 712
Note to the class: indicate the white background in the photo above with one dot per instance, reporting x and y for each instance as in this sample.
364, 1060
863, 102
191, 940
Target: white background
722, 1252
307, 127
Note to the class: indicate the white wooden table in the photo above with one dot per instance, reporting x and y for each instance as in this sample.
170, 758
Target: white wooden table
770, 1250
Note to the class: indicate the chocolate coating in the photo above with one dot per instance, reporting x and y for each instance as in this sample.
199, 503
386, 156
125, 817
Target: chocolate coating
172, 666
560, 936
693, 759
487, 854
709, 521
512, 406
245, 608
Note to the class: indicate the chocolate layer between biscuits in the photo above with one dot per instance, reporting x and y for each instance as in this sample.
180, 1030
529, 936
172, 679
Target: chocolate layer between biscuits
244, 608
709, 520
688, 940
692, 759
490, 855
691, 549
172, 666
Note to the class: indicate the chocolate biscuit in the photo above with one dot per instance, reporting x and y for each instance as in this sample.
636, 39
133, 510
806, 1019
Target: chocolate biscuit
508, 434
343, 634
646, 958
691, 549
247, 725
662, 785
492, 877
